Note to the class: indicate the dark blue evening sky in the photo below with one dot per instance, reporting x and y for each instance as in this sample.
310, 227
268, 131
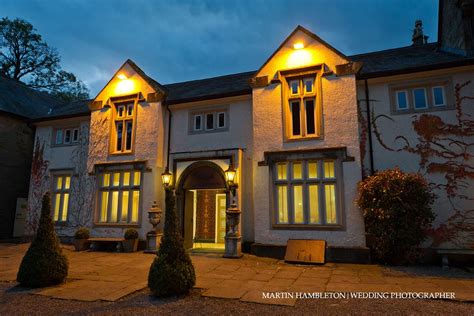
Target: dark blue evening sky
183, 40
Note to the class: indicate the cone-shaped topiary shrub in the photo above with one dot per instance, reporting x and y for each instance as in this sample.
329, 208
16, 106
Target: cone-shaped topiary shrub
44, 263
397, 212
172, 272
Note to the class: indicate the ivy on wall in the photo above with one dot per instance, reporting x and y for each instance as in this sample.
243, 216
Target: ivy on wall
445, 148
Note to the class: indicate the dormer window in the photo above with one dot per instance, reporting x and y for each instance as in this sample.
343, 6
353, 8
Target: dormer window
123, 133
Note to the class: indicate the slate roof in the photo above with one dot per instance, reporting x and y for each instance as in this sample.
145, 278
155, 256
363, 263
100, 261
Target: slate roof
210, 88
407, 59
18, 99
375, 64
75, 108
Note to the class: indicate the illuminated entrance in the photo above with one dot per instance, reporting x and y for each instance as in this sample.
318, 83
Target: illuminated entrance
202, 203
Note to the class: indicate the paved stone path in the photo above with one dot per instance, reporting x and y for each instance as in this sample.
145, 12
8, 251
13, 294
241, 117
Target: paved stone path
110, 276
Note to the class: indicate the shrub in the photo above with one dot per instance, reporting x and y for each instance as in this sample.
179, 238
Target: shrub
172, 272
131, 233
397, 212
82, 233
44, 263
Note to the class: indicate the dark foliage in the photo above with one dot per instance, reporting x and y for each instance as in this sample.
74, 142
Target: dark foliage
172, 272
131, 233
24, 56
44, 263
82, 233
397, 212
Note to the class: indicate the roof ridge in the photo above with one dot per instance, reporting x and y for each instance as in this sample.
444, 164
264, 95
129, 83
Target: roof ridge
209, 78
393, 49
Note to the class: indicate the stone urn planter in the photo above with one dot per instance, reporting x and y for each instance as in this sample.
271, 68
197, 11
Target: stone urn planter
130, 244
81, 239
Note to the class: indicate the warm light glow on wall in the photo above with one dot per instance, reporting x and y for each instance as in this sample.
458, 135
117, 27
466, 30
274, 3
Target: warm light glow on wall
124, 86
121, 76
299, 58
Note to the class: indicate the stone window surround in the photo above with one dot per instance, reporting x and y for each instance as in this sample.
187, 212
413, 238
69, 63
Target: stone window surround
119, 166
428, 84
215, 110
295, 74
70, 127
338, 154
55, 173
113, 134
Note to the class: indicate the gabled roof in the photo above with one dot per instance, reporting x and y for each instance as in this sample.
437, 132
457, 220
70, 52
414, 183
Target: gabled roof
153, 83
407, 59
210, 88
18, 99
310, 34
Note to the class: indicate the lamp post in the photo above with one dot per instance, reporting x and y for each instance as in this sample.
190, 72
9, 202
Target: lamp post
232, 236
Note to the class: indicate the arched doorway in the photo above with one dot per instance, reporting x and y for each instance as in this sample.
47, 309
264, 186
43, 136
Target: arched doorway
202, 202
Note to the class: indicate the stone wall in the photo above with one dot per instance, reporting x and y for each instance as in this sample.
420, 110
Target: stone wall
16, 144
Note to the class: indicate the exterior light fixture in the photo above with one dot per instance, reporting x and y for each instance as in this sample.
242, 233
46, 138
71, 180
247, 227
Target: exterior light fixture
121, 76
166, 178
230, 174
298, 45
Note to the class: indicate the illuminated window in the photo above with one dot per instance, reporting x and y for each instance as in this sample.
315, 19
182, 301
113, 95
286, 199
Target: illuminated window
119, 196
308, 195
123, 127
60, 198
303, 116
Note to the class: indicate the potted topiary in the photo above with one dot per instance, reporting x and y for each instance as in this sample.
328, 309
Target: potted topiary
81, 239
130, 244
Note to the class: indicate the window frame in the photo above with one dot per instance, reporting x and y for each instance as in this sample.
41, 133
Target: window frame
443, 92
120, 188
218, 121
200, 122
63, 174
308, 156
203, 113
406, 100
425, 94
116, 104
428, 85
62, 130
302, 76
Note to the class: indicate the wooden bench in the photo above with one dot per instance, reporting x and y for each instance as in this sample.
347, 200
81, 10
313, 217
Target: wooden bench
446, 252
96, 240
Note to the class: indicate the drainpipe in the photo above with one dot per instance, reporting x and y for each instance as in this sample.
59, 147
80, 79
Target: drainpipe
369, 127
169, 138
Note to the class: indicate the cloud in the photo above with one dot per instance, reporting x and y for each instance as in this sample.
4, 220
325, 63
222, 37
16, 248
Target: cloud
184, 40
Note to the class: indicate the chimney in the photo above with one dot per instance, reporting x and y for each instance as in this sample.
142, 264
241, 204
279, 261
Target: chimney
456, 27
418, 37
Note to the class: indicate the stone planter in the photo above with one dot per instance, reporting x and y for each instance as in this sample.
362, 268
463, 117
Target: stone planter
81, 244
130, 245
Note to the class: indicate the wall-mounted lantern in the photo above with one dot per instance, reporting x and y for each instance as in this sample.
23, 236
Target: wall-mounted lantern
166, 178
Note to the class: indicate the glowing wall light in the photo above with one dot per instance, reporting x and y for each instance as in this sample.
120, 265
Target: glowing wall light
298, 45
125, 86
299, 58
